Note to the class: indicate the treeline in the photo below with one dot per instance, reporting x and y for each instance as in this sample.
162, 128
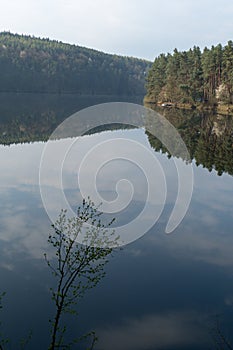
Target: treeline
29, 64
192, 76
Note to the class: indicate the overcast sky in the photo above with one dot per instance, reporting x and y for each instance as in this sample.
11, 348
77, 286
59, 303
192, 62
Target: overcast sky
141, 28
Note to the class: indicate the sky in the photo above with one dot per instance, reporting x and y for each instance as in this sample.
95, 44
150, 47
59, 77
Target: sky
140, 28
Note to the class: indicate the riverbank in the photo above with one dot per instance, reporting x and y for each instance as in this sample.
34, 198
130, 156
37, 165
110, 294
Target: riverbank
218, 109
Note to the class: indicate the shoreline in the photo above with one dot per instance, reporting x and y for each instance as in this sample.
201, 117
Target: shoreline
224, 109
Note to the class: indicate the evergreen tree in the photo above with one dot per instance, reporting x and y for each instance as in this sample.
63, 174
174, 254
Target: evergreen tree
193, 76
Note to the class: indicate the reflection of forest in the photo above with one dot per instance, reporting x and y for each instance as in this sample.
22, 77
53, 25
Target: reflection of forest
33, 117
208, 137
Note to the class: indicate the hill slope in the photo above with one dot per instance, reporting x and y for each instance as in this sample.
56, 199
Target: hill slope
29, 64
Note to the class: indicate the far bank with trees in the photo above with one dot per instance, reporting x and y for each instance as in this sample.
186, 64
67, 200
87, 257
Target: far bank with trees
193, 78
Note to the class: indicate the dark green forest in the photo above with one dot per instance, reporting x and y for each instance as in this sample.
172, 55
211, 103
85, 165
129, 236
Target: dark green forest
29, 64
192, 76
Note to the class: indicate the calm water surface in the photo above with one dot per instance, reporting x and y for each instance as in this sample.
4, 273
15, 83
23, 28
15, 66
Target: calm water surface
160, 292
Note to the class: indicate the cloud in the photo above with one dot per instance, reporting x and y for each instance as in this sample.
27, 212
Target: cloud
24, 226
132, 27
200, 237
21, 164
156, 331
229, 300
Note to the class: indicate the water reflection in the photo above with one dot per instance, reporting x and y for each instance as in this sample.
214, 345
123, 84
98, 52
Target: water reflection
155, 331
33, 117
208, 137
160, 291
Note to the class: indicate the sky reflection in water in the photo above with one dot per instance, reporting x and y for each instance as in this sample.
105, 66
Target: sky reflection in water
160, 291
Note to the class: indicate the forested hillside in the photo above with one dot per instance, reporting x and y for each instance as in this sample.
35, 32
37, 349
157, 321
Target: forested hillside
193, 76
29, 64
